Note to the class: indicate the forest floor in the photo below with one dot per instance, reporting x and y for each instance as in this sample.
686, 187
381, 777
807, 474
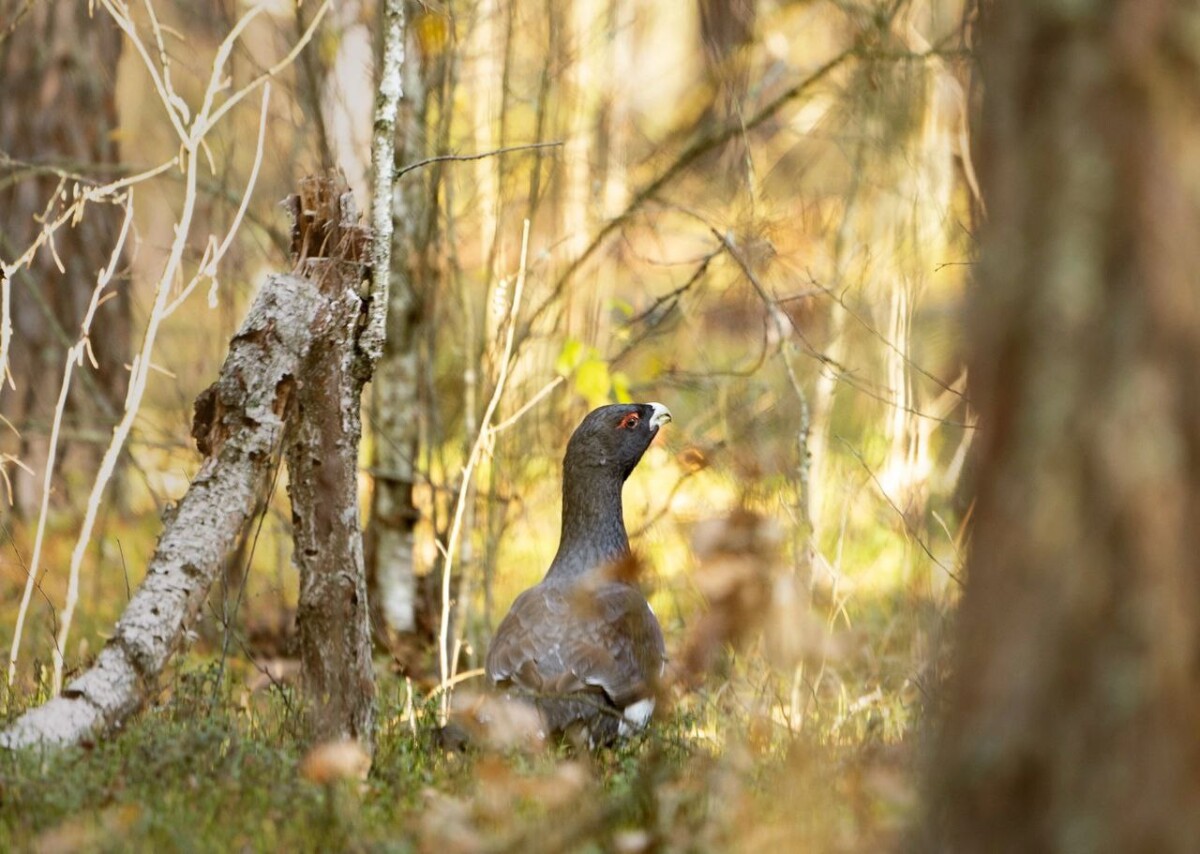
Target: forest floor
823, 759
216, 763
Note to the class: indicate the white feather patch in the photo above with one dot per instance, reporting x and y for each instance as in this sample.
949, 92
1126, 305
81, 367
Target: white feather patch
636, 716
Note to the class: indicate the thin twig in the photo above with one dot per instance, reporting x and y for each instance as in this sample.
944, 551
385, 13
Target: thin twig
212, 257
700, 147
124, 570
74, 358
840, 299
120, 16
441, 158
287, 60
16, 20
783, 326
444, 663
670, 299
903, 516
228, 621
36, 582
528, 405
106, 192
457, 679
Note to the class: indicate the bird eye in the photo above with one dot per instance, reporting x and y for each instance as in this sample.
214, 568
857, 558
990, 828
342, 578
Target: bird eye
630, 420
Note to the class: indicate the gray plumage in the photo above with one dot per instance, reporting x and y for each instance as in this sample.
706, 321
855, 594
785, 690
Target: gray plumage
583, 644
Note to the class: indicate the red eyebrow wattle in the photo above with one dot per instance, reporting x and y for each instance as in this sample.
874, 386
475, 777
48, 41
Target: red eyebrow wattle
628, 421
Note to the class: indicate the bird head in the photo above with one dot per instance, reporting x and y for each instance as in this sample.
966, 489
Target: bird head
614, 437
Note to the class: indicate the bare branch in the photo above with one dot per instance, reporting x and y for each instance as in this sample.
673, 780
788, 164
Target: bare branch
445, 665
74, 358
701, 146
493, 153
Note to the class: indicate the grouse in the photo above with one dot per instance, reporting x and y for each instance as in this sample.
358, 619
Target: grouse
583, 644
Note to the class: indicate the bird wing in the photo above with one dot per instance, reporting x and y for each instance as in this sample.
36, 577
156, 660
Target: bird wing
562, 639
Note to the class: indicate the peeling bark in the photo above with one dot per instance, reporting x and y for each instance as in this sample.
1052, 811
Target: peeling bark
322, 457
239, 425
296, 360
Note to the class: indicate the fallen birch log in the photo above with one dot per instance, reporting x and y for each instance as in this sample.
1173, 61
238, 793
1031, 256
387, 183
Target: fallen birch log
294, 376
239, 425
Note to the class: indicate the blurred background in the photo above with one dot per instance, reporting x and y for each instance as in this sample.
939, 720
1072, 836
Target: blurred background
761, 214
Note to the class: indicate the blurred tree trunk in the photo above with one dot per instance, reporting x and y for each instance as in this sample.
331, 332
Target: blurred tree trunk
726, 30
59, 63
395, 404
488, 61
581, 110
726, 33
616, 118
1072, 717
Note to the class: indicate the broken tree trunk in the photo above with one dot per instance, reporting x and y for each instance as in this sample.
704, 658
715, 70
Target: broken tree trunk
322, 458
294, 364
239, 425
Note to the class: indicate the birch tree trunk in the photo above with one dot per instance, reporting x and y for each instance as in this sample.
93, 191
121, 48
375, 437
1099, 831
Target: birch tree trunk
346, 96
239, 425
1072, 715
296, 360
395, 407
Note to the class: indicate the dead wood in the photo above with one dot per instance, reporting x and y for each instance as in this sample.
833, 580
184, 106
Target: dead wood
321, 448
239, 425
295, 363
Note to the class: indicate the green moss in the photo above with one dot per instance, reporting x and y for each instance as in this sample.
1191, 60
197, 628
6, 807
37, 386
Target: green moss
210, 768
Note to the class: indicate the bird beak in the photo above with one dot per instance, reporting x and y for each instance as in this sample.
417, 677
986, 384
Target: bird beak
661, 415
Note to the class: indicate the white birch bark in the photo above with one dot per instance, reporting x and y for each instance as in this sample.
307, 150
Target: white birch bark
239, 425
394, 403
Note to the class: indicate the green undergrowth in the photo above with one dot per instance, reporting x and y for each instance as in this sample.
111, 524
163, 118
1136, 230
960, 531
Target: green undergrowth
212, 767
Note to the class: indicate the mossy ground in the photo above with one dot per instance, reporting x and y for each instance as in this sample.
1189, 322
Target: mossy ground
213, 766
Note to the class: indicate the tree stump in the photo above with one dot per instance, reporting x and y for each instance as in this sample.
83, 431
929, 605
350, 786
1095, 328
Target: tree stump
294, 375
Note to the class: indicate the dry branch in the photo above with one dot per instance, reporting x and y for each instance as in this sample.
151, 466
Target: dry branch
239, 425
699, 147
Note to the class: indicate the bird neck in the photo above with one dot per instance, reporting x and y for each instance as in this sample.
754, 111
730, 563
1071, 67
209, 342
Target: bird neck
593, 525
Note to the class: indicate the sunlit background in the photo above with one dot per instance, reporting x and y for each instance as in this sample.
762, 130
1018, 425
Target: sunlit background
758, 213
